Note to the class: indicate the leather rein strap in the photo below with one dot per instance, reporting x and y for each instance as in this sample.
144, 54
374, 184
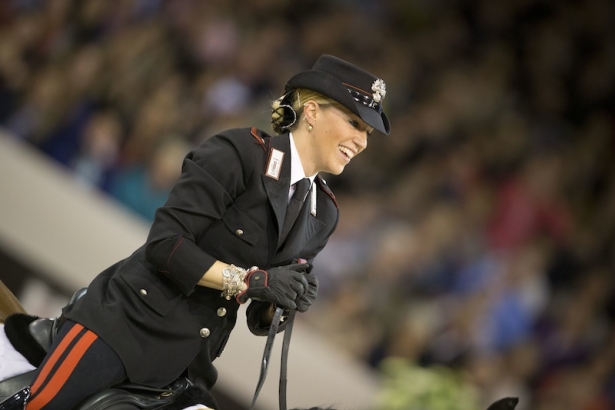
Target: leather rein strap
284, 361
273, 330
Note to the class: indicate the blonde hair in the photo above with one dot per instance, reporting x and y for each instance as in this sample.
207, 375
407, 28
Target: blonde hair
286, 110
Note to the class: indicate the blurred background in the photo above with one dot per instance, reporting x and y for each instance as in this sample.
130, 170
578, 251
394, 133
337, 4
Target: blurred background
479, 236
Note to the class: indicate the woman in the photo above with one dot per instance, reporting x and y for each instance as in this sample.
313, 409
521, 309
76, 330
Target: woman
224, 236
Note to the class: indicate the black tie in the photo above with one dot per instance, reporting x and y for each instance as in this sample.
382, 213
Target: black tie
301, 189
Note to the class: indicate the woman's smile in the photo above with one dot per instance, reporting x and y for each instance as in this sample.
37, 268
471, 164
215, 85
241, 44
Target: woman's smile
346, 133
347, 153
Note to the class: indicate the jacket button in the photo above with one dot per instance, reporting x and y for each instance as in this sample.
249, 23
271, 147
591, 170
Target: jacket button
143, 292
239, 232
204, 332
221, 311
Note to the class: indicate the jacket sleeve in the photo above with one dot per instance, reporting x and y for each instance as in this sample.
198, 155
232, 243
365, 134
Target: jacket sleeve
254, 312
212, 176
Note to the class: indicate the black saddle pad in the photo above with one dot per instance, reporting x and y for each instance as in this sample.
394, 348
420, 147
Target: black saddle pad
180, 394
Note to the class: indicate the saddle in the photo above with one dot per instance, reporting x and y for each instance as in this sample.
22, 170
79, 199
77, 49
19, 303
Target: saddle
178, 395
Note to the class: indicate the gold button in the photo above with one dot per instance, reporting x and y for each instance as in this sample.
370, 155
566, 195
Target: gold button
204, 332
143, 292
239, 232
221, 311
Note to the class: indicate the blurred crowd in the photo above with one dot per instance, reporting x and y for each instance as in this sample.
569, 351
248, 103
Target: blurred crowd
479, 235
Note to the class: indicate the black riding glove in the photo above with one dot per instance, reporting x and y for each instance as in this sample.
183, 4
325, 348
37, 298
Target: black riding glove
305, 301
280, 285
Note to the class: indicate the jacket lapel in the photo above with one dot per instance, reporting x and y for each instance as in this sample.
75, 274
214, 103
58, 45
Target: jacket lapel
277, 189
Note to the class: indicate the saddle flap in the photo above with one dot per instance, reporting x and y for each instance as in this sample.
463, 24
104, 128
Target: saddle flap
14, 386
177, 395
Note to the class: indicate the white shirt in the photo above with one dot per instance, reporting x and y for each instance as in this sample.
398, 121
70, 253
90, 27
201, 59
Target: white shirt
296, 168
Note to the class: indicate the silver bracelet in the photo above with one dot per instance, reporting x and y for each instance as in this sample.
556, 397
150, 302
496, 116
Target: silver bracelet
232, 280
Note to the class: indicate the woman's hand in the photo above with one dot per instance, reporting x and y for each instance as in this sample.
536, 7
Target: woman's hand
305, 301
281, 285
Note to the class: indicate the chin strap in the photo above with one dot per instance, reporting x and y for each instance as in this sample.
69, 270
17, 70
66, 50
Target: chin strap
273, 330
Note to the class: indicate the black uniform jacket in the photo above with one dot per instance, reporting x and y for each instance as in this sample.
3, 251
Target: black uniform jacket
224, 207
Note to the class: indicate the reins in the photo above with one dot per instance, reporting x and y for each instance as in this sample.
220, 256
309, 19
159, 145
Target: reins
273, 330
284, 361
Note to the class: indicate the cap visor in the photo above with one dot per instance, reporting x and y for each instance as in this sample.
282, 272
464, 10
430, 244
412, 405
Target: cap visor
373, 119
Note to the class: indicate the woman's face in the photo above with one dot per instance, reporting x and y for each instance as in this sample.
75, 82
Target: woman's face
337, 137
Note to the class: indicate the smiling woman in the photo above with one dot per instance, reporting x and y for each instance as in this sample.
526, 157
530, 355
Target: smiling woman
224, 236
328, 135
331, 110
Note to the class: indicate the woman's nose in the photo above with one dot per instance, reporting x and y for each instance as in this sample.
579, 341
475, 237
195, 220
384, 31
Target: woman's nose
361, 140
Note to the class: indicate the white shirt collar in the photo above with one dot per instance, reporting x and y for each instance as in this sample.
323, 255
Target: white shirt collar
296, 168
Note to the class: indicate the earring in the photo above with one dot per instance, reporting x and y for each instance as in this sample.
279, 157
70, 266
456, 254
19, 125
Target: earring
310, 127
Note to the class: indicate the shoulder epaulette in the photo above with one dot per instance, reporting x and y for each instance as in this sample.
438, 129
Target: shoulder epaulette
259, 140
323, 185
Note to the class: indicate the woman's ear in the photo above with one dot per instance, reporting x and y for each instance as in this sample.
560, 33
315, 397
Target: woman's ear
310, 110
